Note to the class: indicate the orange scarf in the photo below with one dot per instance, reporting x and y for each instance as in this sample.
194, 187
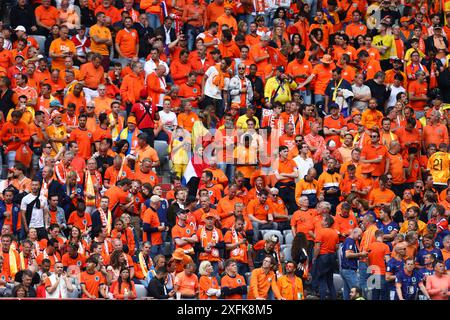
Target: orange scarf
219, 79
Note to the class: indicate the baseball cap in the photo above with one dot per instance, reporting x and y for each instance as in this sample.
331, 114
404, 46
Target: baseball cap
280, 68
155, 198
333, 105
132, 120
20, 28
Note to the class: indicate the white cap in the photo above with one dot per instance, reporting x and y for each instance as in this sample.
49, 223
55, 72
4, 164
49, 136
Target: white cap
20, 28
155, 198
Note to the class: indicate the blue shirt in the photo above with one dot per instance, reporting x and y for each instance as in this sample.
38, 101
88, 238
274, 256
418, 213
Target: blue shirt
162, 211
346, 263
421, 254
410, 284
439, 241
393, 266
388, 228
424, 272
447, 264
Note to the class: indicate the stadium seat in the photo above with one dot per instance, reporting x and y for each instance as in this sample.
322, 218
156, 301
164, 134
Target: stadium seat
141, 292
286, 232
286, 251
338, 284
247, 277
289, 238
41, 42
267, 233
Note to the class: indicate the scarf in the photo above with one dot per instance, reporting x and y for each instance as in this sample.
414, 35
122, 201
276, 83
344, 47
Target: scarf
118, 125
22, 261
143, 265
214, 239
46, 256
12, 262
235, 236
219, 79
89, 189
106, 219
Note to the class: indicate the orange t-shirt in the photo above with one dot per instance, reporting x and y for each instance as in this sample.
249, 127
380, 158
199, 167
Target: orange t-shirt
92, 76
328, 239
377, 252
303, 222
187, 285
48, 17
151, 217
84, 139
58, 46
82, 223
418, 89
92, 283
186, 121
127, 41
231, 283
102, 33
6, 59
224, 207
322, 77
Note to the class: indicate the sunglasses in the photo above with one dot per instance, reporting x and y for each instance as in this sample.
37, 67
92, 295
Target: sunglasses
298, 141
374, 136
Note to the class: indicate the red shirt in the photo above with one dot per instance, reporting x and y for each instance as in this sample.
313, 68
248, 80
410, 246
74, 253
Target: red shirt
145, 115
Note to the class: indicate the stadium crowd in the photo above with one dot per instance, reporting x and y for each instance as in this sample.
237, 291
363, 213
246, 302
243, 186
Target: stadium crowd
237, 149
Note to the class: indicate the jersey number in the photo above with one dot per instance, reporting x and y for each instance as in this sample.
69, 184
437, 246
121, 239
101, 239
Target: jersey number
437, 164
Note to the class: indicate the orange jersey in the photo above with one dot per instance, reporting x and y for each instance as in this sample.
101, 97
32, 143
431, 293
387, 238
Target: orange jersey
92, 282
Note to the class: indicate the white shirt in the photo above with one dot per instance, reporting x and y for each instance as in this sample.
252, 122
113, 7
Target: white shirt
393, 97
150, 66
169, 120
360, 90
37, 215
61, 290
212, 90
303, 165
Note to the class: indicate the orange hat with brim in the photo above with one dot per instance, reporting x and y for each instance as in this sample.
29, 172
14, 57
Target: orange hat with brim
228, 6
209, 215
355, 112
132, 120
178, 254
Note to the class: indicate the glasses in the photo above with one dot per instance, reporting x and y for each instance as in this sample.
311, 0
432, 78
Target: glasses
90, 107
241, 68
374, 136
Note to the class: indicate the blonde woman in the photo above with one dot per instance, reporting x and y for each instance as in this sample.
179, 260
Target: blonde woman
209, 286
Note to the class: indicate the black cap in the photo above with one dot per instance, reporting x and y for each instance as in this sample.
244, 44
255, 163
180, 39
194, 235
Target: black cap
280, 68
215, 51
333, 105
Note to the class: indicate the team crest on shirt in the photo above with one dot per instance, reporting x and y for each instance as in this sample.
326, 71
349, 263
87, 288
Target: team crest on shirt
152, 178
210, 192
390, 228
79, 263
84, 222
413, 279
239, 281
123, 173
436, 244
188, 231
266, 207
136, 199
350, 222
350, 247
3, 278
97, 278
194, 90
78, 190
